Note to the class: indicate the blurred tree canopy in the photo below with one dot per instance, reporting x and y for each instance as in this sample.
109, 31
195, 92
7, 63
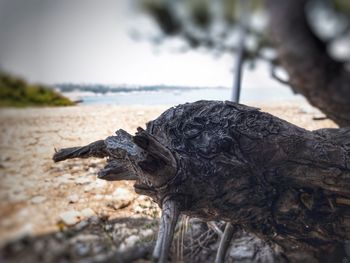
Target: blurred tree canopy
15, 92
310, 39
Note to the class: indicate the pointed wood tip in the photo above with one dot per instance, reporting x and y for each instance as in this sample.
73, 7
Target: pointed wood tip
95, 149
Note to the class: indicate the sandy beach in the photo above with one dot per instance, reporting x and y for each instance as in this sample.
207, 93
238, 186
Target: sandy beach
39, 197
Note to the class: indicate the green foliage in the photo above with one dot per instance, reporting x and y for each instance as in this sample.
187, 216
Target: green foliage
212, 24
15, 92
200, 13
342, 6
163, 15
201, 23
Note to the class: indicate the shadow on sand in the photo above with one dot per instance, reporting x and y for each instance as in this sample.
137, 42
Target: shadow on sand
93, 240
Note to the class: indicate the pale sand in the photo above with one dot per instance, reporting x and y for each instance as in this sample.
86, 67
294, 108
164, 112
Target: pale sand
34, 191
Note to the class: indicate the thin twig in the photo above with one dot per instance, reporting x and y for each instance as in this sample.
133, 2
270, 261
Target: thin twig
224, 243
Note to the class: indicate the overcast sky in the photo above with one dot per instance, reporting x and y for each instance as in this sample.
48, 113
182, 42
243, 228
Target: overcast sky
87, 41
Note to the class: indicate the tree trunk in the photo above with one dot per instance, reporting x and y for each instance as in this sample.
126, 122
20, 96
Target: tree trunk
224, 161
312, 72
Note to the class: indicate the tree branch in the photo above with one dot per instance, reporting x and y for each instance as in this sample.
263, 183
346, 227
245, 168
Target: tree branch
313, 73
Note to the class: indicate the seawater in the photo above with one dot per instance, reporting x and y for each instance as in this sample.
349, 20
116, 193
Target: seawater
178, 96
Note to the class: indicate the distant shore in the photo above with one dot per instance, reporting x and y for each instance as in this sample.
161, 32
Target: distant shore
170, 96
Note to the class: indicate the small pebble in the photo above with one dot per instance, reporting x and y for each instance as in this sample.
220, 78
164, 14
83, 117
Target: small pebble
92, 170
65, 179
70, 218
87, 212
82, 180
146, 232
122, 193
129, 242
38, 199
82, 249
73, 198
94, 220
81, 225
108, 227
98, 197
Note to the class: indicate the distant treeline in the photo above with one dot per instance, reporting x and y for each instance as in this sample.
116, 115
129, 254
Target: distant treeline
16, 92
97, 88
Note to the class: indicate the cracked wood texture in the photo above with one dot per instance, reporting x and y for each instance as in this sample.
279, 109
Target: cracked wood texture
324, 81
226, 161
248, 167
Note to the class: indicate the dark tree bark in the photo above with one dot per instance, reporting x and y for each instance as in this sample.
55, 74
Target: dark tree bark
225, 161
312, 72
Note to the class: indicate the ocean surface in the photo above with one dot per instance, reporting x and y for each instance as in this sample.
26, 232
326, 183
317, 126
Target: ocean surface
174, 96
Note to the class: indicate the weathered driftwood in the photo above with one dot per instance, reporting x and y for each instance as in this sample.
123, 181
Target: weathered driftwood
225, 161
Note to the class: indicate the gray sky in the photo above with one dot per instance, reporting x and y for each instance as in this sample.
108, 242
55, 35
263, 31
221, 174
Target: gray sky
86, 41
